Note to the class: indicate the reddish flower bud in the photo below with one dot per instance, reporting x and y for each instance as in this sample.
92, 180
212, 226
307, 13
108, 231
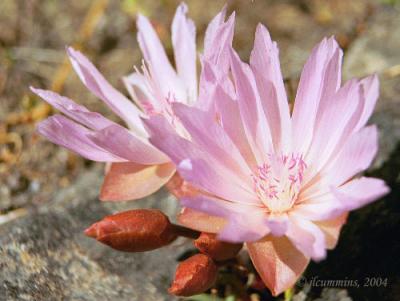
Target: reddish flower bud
207, 243
194, 276
134, 230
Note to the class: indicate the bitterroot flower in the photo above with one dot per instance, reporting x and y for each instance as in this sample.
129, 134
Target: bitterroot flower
282, 182
138, 168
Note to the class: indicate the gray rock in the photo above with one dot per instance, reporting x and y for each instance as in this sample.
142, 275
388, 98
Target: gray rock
45, 256
376, 51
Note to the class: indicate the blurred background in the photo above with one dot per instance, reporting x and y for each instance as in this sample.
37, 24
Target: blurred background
48, 195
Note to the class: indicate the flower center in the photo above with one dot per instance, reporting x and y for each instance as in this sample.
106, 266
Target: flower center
277, 182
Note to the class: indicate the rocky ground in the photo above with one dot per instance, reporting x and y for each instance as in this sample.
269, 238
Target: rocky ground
49, 195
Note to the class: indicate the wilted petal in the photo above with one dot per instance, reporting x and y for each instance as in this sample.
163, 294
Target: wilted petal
131, 181
65, 132
278, 262
184, 42
100, 87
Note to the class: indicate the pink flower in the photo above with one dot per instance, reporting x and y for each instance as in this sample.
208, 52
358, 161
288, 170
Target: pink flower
138, 168
282, 182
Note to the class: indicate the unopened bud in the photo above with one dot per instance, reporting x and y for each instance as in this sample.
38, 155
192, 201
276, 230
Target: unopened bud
208, 244
134, 230
194, 276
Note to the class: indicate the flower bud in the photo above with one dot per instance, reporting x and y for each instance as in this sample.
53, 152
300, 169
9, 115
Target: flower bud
194, 276
208, 244
134, 230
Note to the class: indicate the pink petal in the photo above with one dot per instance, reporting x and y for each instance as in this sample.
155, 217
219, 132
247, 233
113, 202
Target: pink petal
140, 91
160, 68
65, 132
264, 62
278, 262
99, 86
80, 114
184, 42
331, 229
371, 92
213, 139
131, 181
359, 192
218, 40
228, 111
126, 144
215, 60
360, 150
254, 121
244, 222
207, 174
201, 221
343, 111
212, 28
314, 79
306, 237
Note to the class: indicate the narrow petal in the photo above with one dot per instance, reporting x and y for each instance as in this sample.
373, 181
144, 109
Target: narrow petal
126, 144
65, 132
229, 115
160, 68
100, 87
201, 221
212, 28
80, 114
360, 192
278, 262
371, 90
218, 40
130, 181
313, 81
184, 42
254, 121
264, 62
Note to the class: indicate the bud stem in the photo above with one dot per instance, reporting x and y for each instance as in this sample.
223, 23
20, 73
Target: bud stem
185, 232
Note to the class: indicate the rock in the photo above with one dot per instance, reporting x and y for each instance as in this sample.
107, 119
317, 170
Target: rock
376, 51
45, 256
